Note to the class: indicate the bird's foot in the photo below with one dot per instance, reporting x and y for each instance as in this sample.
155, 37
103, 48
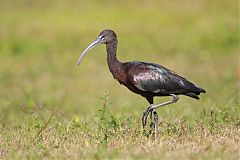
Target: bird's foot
145, 116
155, 118
156, 123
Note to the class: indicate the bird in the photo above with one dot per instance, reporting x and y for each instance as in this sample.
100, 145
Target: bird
146, 79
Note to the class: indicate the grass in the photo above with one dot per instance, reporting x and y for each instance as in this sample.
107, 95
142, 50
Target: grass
50, 109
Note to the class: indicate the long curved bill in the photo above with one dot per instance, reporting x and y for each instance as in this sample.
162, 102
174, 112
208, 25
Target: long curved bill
95, 43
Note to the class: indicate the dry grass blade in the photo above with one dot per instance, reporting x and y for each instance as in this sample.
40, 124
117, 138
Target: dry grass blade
46, 124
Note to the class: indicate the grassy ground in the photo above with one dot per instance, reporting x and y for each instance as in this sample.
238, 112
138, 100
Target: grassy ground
50, 109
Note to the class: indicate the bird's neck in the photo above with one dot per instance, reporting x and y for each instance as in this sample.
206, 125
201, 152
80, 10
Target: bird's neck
114, 65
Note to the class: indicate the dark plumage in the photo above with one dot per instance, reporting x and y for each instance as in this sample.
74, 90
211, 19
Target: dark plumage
146, 79
154, 80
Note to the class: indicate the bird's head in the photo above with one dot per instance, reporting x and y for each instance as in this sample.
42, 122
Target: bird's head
104, 37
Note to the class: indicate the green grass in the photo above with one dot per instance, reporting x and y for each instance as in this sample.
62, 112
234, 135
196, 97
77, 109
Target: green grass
51, 109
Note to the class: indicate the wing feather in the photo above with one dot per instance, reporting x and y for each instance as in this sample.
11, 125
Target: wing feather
157, 79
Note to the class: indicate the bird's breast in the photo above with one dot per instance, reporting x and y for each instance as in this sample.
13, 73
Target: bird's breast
121, 77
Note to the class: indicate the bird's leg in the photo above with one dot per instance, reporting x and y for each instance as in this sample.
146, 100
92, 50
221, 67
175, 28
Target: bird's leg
156, 123
152, 123
151, 112
154, 107
175, 99
145, 115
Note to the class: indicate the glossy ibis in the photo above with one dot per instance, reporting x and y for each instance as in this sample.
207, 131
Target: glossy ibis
146, 79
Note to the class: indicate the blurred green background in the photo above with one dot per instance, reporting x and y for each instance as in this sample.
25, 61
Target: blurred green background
96, 117
40, 42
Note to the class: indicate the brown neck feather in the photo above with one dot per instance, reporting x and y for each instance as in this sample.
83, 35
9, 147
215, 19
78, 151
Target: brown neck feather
114, 65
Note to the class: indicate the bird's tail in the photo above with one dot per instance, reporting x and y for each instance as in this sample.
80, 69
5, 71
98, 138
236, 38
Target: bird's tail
195, 91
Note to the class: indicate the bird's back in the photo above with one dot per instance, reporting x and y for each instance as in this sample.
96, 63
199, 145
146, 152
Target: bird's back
154, 79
